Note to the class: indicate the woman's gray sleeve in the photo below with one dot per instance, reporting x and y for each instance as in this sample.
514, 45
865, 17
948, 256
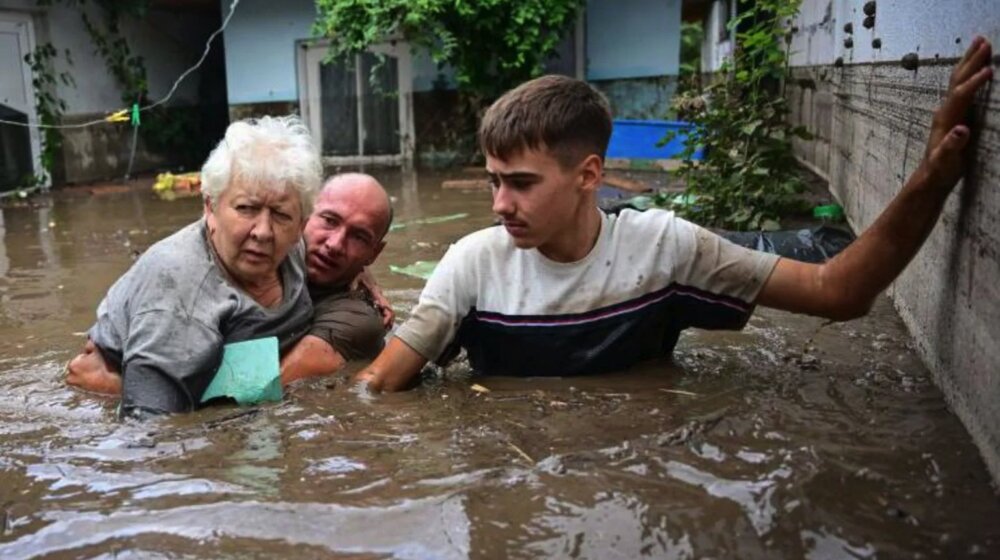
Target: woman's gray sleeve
168, 363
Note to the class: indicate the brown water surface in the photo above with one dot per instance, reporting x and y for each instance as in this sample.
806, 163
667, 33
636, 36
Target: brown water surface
790, 439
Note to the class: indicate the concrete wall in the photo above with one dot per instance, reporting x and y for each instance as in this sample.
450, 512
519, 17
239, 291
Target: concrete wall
872, 118
633, 54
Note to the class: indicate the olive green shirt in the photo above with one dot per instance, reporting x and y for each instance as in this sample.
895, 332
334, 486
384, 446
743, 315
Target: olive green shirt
348, 322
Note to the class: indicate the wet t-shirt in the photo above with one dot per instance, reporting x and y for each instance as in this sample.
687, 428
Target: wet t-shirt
649, 276
348, 322
165, 321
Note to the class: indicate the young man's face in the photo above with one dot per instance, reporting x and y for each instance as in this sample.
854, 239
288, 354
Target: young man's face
537, 199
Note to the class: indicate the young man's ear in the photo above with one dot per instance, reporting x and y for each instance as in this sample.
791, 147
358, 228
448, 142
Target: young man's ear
591, 173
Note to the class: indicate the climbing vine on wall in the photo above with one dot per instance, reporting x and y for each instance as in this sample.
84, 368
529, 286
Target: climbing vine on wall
749, 177
163, 130
48, 106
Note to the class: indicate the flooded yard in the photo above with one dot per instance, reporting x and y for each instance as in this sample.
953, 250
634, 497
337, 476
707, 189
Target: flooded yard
793, 438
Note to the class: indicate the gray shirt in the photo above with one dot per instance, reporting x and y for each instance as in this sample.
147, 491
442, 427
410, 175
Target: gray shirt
164, 322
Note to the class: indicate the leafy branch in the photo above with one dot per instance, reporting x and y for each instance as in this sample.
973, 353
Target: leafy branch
492, 45
749, 177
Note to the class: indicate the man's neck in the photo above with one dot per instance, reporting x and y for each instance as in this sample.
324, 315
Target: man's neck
577, 242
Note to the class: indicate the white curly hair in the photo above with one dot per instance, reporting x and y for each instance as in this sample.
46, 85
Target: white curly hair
272, 152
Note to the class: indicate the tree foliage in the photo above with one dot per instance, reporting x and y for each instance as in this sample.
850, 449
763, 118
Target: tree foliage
749, 176
492, 45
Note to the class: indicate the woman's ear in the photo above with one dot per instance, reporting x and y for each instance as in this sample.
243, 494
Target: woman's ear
209, 215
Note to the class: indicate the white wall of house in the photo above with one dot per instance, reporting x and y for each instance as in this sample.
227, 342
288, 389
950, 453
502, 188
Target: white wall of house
717, 45
632, 38
941, 29
260, 48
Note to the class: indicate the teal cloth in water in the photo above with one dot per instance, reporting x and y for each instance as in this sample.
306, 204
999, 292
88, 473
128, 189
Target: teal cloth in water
419, 269
249, 374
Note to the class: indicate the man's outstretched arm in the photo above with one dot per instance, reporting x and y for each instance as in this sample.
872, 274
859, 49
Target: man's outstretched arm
845, 287
394, 369
310, 357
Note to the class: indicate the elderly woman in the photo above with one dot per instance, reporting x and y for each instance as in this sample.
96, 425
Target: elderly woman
236, 274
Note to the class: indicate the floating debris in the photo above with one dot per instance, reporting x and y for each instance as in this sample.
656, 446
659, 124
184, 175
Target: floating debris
419, 269
869, 22
466, 184
479, 388
170, 187
869, 8
848, 43
521, 452
848, 28
430, 220
679, 392
876, 43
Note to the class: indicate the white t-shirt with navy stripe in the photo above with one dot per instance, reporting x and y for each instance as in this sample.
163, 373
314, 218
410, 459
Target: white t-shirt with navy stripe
649, 276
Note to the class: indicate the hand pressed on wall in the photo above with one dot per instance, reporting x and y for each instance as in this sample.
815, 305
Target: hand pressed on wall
944, 157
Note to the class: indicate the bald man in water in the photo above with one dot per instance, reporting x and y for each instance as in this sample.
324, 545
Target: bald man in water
344, 234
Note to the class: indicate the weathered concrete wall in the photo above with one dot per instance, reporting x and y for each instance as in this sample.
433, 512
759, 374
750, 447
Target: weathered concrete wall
639, 98
871, 120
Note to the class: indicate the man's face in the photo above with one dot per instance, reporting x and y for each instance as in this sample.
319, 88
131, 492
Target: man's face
535, 197
253, 229
343, 235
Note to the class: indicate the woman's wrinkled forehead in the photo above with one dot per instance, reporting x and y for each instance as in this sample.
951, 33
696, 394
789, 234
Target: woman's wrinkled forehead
262, 189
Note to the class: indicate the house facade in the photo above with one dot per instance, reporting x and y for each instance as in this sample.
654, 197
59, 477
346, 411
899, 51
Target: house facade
170, 38
629, 49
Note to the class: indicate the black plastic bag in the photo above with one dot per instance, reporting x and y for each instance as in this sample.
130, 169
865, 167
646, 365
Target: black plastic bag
815, 245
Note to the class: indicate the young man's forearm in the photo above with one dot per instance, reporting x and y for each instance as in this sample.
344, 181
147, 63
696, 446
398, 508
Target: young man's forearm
879, 255
394, 369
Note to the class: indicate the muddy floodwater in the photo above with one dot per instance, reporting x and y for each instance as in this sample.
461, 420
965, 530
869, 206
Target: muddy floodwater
790, 439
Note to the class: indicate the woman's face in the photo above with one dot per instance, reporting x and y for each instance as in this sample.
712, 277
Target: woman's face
252, 230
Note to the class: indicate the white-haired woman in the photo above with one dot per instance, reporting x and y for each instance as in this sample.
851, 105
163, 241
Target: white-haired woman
236, 274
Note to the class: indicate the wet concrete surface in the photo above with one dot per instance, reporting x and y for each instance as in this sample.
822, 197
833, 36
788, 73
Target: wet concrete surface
793, 438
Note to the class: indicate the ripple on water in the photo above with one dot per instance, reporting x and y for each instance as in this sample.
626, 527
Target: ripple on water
431, 528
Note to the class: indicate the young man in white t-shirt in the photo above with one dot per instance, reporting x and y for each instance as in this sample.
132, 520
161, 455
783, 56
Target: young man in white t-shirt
563, 289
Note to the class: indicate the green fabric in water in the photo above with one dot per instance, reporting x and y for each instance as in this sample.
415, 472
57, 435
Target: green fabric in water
419, 269
430, 220
249, 373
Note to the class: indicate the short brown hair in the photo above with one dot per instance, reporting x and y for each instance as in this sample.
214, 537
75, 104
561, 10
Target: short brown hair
564, 115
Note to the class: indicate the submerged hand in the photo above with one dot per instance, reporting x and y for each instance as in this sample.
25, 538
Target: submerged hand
949, 134
89, 371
